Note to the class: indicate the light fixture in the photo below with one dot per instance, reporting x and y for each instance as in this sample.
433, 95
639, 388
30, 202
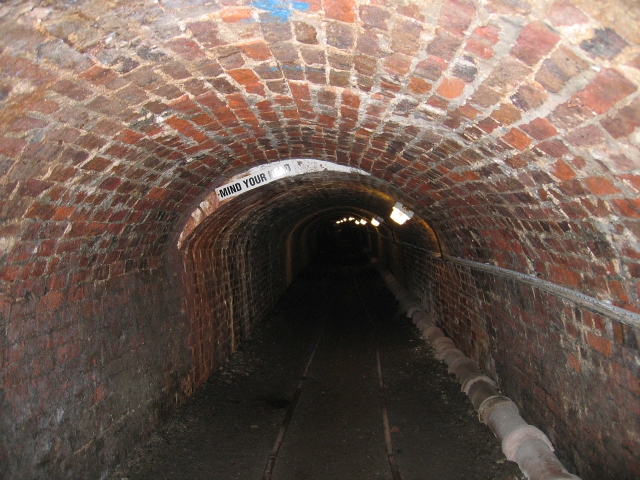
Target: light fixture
400, 213
351, 219
376, 221
363, 221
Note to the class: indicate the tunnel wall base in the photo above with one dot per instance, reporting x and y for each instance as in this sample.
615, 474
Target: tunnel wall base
570, 371
95, 376
231, 286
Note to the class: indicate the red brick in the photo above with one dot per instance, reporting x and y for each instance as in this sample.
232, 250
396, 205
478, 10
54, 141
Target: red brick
529, 96
540, 128
559, 68
600, 186
627, 207
343, 10
451, 87
256, 50
102, 76
62, 213
534, 42
468, 111
24, 124
71, 90
186, 48
488, 124
605, 90
586, 136
234, 15
33, 188
482, 41
406, 37
98, 394
599, 344
350, 99
506, 114
67, 353
626, 378
456, 16
51, 301
111, 183
11, 146
373, 16
562, 171
41, 211
128, 136
444, 45
418, 86
484, 97
397, 64
244, 76
10, 273
555, 148
564, 13
624, 121
574, 363
517, 139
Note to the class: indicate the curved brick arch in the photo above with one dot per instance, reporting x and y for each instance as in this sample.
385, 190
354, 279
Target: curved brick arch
264, 217
273, 171
510, 127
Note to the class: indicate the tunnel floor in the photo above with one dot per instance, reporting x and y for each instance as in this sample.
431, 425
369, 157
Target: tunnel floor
335, 428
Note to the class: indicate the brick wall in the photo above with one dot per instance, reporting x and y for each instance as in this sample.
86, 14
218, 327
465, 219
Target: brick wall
105, 363
233, 281
573, 373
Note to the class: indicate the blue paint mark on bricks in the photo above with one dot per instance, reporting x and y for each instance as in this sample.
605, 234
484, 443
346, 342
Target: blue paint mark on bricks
279, 10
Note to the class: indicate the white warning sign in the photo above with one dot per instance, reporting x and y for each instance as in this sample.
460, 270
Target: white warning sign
252, 181
258, 176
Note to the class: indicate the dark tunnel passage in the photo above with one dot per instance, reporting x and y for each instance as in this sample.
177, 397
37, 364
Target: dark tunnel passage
301, 399
174, 176
240, 256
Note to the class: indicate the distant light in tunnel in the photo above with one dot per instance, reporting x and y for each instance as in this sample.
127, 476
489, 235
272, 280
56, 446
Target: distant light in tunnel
376, 221
351, 219
400, 214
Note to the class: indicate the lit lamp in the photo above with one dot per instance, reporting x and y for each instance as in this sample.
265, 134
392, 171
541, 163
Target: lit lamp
400, 213
376, 221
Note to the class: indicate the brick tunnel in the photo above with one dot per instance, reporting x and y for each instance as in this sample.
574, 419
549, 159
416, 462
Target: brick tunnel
129, 274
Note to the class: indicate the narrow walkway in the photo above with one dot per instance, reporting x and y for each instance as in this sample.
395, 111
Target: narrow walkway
334, 417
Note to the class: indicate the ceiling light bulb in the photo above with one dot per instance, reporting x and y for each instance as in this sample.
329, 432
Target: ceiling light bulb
400, 214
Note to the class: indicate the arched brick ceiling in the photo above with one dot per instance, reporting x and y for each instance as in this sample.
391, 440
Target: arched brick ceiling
274, 210
510, 125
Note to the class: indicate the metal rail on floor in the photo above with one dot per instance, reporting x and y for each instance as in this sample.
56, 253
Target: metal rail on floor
395, 472
271, 462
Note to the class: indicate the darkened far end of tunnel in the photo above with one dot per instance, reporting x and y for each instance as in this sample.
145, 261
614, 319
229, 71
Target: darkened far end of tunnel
510, 128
